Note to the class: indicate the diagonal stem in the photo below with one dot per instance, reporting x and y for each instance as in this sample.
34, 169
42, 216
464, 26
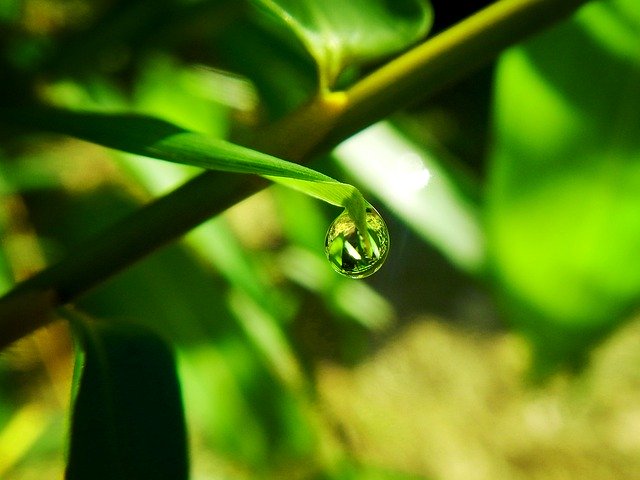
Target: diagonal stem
445, 59
419, 73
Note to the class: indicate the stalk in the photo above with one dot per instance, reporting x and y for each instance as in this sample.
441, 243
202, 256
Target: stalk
418, 74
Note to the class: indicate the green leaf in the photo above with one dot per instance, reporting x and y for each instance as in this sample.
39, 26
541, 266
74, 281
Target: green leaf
127, 419
339, 33
6, 279
156, 138
564, 188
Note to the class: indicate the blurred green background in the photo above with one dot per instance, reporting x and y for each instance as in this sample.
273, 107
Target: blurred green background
500, 340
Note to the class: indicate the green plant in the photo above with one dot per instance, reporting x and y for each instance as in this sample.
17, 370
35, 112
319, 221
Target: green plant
322, 73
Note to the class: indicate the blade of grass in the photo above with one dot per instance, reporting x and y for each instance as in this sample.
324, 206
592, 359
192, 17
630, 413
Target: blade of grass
151, 137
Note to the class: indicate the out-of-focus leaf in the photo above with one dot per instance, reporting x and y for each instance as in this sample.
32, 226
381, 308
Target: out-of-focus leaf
127, 420
415, 185
349, 470
215, 379
183, 95
6, 280
19, 433
9, 11
564, 188
290, 79
269, 339
341, 33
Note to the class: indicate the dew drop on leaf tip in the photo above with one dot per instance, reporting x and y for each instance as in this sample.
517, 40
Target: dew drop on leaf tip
352, 254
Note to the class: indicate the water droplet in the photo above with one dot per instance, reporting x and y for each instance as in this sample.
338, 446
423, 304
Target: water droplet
349, 252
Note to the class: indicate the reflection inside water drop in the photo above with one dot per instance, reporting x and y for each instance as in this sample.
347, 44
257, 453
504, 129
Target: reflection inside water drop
352, 254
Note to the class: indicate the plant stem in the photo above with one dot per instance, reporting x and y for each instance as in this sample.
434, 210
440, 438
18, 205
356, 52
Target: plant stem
444, 59
417, 74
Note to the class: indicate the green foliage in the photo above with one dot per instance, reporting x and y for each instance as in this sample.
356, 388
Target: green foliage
565, 175
155, 138
159, 139
543, 215
127, 419
5, 270
342, 34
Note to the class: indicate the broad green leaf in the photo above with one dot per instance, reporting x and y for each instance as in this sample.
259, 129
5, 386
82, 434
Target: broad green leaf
127, 419
156, 138
564, 188
339, 33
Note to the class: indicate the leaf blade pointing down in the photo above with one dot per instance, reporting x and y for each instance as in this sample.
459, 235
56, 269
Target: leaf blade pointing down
127, 419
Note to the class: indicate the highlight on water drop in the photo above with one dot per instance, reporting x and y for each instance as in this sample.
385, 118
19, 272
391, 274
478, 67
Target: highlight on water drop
352, 253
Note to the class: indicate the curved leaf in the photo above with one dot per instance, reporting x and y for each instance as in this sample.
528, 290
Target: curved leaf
156, 138
340, 33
